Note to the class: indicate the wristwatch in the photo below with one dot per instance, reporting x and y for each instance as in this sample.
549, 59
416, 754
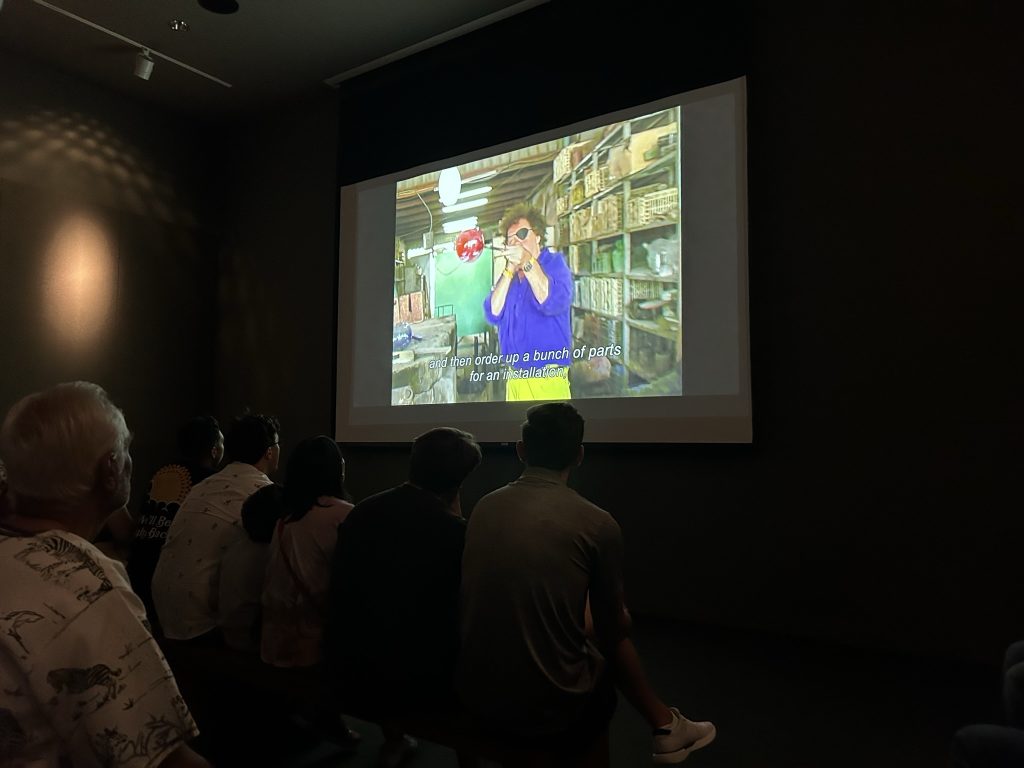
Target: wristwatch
528, 266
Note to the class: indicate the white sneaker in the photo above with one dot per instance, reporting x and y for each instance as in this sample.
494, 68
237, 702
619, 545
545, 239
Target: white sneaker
675, 742
394, 753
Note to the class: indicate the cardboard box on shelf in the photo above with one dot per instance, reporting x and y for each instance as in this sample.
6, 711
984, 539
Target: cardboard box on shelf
410, 307
416, 306
568, 158
579, 151
642, 143
619, 162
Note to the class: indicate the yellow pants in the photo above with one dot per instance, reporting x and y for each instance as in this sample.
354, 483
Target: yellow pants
543, 388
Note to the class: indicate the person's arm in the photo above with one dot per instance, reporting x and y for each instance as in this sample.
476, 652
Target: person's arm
496, 301
605, 601
612, 624
538, 280
551, 285
131, 697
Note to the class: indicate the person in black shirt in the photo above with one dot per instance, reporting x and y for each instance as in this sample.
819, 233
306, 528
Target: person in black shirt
393, 611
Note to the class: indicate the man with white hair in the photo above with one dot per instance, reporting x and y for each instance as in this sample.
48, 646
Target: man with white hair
84, 683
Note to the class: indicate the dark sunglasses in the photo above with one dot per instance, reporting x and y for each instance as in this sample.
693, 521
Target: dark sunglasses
521, 233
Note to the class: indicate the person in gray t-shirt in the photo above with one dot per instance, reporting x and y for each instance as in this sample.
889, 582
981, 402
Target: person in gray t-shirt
545, 631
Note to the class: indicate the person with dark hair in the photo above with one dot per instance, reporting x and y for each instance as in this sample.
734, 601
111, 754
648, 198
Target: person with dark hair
298, 571
392, 633
315, 502
209, 521
200, 450
545, 630
530, 305
244, 568
261, 511
441, 459
82, 681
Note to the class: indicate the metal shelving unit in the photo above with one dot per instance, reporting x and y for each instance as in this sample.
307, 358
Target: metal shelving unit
587, 247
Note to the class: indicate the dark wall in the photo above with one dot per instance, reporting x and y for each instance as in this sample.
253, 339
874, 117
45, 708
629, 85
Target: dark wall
278, 259
876, 505
68, 148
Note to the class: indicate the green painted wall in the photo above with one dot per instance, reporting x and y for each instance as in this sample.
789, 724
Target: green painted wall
465, 286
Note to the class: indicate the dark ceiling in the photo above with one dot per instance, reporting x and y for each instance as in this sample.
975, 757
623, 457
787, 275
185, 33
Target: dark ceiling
269, 51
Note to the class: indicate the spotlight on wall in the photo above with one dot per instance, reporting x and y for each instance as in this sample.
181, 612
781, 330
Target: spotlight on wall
143, 64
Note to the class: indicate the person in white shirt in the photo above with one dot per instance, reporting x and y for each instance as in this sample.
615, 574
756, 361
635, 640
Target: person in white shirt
187, 576
83, 682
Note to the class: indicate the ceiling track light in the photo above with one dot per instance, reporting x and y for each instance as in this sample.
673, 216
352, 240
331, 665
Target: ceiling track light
143, 64
134, 43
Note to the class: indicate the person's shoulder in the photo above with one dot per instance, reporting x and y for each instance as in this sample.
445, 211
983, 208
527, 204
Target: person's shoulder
59, 571
574, 501
496, 496
380, 499
550, 257
332, 503
330, 508
367, 511
235, 479
498, 500
207, 483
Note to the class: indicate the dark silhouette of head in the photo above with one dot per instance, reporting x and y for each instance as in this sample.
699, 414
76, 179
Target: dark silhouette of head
441, 459
200, 442
253, 439
316, 468
261, 511
552, 436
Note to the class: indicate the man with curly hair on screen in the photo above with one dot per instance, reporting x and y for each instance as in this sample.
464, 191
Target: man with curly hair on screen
530, 305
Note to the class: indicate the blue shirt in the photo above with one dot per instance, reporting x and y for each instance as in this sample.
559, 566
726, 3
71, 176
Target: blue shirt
527, 326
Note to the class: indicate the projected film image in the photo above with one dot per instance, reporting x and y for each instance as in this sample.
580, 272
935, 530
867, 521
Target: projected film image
551, 272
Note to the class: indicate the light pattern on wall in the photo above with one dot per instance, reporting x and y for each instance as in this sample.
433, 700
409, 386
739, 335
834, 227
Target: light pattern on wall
80, 280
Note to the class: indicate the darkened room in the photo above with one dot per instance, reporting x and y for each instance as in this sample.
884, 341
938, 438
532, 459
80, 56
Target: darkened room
838, 590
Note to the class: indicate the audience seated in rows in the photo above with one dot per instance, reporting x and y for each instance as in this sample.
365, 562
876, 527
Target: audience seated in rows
187, 574
200, 450
84, 683
536, 553
393, 605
